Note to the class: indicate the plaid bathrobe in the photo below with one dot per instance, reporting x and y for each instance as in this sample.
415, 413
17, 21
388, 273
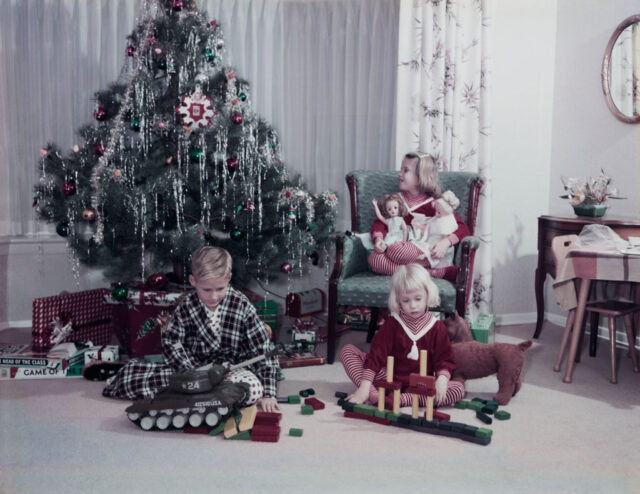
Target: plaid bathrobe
195, 337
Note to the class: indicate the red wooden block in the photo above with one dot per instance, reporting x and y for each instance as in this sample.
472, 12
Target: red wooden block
379, 420
385, 385
267, 418
265, 439
442, 417
314, 402
196, 430
356, 415
418, 380
265, 430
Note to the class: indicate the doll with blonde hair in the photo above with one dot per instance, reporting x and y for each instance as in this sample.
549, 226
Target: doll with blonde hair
410, 329
429, 231
419, 185
393, 210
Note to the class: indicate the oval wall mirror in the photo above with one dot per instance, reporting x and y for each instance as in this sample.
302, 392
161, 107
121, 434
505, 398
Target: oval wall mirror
621, 71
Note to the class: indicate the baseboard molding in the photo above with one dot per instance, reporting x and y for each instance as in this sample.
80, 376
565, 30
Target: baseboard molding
15, 324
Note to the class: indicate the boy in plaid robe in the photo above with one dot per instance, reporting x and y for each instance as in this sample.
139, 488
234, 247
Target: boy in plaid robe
213, 324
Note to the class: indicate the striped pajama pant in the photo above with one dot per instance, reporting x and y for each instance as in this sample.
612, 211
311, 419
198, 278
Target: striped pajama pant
402, 253
353, 358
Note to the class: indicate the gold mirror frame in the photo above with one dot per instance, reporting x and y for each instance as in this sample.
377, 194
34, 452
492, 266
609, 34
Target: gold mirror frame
606, 71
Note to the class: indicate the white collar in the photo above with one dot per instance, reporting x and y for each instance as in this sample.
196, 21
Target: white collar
413, 354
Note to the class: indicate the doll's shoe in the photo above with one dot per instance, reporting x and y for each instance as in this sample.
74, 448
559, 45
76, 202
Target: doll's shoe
100, 370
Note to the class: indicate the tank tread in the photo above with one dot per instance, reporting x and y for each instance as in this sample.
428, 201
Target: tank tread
182, 418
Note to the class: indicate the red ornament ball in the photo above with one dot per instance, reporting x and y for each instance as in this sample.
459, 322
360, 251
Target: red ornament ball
68, 188
157, 281
232, 164
177, 5
286, 267
89, 214
100, 113
131, 51
237, 119
99, 149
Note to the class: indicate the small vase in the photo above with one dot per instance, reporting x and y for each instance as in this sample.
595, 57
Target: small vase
590, 210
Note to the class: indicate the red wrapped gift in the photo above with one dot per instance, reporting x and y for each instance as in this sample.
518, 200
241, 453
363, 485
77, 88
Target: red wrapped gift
138, 320
84, 314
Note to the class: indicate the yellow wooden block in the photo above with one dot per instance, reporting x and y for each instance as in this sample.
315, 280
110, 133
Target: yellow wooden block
230, 428
248, 418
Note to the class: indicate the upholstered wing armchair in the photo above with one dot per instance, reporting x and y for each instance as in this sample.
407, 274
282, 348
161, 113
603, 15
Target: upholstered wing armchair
353, 283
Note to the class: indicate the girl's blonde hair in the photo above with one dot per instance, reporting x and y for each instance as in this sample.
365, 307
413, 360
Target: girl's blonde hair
211, 262
402, 208
427, 173
409, 278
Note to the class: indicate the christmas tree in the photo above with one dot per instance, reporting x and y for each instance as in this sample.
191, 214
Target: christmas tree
177, 159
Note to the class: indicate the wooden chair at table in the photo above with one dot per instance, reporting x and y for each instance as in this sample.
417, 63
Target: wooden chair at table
610, 308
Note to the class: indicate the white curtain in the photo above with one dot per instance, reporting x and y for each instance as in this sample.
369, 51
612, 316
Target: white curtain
442, 96
322, 73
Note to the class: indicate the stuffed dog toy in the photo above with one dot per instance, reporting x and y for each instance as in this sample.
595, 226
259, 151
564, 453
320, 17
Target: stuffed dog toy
475, 359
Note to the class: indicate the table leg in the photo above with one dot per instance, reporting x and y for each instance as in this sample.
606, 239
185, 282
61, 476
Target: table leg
539, 285
577, 327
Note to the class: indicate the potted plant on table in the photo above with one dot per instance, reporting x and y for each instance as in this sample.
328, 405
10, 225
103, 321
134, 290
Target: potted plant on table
588, 196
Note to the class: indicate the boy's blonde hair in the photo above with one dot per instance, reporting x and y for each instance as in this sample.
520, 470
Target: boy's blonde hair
402, 208
427, 173
211, 262
409, 278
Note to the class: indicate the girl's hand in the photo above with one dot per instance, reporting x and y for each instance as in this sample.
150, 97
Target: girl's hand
374, 201
268, 404
379, 245
440, 249
441, 388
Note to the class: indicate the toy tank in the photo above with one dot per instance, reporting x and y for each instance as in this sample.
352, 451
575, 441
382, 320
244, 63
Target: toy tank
193, 398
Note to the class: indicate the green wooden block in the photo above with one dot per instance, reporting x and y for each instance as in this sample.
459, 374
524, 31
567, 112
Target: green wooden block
366, 409
306, 410
502, 415
492, 403
295, 432
462, 404
294, 399
475, 405
392, 416
218, 428
469, 430
483, 433
380, 414
241, 436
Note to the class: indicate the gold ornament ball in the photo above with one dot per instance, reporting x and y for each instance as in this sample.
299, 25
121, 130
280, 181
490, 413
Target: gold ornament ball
89, 214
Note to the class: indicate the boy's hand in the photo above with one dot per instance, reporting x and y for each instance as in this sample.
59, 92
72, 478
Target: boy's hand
268, 404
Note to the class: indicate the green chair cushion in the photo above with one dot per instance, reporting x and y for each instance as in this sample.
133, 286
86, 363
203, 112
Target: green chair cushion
372, 290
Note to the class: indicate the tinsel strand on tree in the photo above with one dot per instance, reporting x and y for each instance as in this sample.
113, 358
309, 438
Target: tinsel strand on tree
178, 159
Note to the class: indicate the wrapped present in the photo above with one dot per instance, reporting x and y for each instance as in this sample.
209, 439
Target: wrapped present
268, 312
79, 316
138, 318
355, 317
482, 328
106, 353
306, 303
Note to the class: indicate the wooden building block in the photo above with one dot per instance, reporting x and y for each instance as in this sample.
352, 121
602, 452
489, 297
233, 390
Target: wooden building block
248, 418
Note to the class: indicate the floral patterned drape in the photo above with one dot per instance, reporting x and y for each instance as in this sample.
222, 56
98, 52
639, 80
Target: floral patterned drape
442, 108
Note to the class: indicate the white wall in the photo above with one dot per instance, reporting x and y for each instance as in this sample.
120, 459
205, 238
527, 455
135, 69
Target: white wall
523, 55
586, 135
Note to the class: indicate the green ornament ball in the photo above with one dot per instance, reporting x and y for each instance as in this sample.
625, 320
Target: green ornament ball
239, 208
119, 292
242, 96
237, 235
208, 54
62, 229
161, 64
135, 125
195, 155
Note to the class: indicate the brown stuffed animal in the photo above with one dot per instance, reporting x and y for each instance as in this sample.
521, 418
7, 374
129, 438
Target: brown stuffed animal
475, 359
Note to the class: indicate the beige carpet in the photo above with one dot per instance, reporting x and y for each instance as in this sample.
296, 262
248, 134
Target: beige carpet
62, 436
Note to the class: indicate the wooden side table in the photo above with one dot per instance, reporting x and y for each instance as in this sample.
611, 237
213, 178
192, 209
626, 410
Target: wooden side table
552, 226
